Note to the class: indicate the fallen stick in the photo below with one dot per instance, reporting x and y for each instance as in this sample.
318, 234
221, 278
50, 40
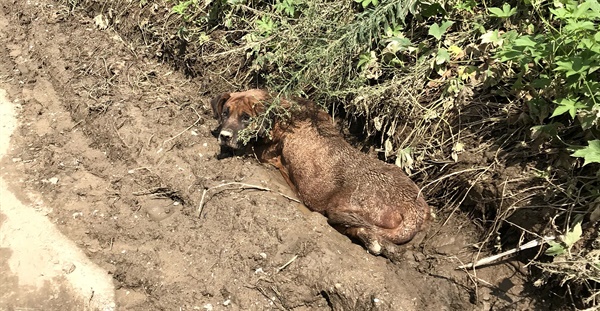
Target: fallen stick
287, 263
241, 186
180, 133
490, 259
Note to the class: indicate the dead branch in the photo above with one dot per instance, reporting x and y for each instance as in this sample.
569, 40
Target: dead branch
187, 129
240, 186
490, 259
287, 263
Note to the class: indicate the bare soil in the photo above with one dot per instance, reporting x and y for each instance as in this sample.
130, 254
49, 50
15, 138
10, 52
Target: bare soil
119, 147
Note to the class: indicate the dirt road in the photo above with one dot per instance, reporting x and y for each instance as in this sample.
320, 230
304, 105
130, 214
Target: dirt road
117, 146
41, 268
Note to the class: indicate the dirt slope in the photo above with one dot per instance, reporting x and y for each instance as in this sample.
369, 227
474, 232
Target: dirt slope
119, 146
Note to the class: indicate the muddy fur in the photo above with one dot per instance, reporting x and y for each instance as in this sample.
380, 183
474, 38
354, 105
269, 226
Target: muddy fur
364, 198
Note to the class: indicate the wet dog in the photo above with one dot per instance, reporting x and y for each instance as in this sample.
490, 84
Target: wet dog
364, 198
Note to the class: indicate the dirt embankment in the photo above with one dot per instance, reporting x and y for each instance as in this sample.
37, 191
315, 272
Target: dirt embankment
119, 146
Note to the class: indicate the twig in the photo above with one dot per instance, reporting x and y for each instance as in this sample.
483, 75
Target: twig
491, 259
187, 129
278, 295
241, 186
149, 141
76, 124
155, 190
287, 263
119, 135
201, 206
262, 291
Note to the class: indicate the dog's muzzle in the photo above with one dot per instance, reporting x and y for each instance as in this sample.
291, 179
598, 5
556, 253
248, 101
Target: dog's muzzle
225, 138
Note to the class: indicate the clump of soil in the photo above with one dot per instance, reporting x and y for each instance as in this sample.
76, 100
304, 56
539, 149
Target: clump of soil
120, 148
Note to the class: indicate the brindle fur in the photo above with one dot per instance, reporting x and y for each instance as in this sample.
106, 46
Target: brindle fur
362, 197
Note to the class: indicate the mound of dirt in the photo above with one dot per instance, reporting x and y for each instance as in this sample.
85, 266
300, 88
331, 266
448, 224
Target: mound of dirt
119, 147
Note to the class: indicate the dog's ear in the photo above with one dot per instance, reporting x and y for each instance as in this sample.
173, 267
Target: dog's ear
217, 104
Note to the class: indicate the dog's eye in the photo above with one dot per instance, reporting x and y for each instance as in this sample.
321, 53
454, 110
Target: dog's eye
245, 117
225, 112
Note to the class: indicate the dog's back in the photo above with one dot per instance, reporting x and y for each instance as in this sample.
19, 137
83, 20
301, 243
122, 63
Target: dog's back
350, 188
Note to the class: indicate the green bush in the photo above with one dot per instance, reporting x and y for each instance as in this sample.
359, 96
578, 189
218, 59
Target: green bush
551, 61
557, 63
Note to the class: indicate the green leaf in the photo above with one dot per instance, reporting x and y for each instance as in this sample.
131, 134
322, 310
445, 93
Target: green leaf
573, 236
495, 11
492, 37
442, 56
525, 41
466, 5
555, 249
581, 10
569, 239
265, 25
507, 55
573, 66
363, 59
560, 13
579, 25
365, 3
567, 105
287, 6
396, 44
438, 31
591, 153
181, 7
505, 12
560, 110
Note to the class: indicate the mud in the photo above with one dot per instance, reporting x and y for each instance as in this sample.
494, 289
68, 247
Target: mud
119, 148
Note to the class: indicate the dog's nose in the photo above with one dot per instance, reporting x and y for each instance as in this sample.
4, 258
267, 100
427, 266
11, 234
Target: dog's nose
225, 135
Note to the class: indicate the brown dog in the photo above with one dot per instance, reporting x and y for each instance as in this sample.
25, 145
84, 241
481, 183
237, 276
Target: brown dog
364, 198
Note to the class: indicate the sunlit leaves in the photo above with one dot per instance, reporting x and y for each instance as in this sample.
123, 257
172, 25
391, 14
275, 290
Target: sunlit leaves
437, 31
591, 153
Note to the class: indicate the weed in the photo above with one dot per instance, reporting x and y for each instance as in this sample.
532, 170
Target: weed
367, 3
505, 12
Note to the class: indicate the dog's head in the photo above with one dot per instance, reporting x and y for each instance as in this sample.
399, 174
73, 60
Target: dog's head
234, 111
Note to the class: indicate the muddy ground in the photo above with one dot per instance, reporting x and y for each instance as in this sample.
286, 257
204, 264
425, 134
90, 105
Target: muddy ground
119, 147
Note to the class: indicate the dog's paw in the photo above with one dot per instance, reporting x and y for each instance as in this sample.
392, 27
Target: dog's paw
374, 247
